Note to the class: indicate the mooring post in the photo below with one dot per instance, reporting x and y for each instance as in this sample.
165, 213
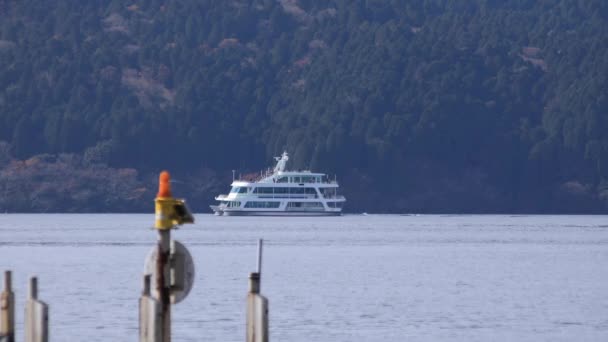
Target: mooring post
163, 282
170, 212
257, 305
7, 310
149, 315
259, 266
164, 224
36, 316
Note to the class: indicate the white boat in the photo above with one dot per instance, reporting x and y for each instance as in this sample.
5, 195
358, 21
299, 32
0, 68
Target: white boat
281, 192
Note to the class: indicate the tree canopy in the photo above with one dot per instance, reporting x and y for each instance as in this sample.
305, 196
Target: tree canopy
417, 106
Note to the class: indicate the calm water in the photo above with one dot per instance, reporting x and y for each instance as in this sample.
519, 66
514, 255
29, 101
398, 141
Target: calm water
351, 278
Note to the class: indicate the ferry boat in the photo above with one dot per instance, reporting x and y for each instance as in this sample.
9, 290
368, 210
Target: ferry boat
281, 192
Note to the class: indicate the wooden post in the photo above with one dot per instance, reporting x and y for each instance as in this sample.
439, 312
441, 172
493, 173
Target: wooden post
257, 312
36, 316
259, 268
169, 213
7, 311
257, 305
163, 283
149, 315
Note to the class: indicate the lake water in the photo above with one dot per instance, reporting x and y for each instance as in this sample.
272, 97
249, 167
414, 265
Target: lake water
350, 278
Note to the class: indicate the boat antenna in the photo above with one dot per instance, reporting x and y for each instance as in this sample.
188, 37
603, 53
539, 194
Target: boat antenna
233, 171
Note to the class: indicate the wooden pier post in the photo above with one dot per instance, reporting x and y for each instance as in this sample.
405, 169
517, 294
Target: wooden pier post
36, 316
169, 213
149, 315
257, 306
259, 265
163, 283
7, 311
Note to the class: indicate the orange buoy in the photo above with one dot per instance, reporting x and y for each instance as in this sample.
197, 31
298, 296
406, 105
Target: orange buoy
164, 185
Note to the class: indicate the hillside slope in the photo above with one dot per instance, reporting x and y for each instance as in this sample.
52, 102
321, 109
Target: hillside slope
417, 106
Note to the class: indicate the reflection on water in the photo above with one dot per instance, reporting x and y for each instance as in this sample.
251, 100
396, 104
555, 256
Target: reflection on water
365, 278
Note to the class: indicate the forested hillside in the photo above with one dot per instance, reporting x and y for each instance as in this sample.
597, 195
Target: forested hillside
416, 105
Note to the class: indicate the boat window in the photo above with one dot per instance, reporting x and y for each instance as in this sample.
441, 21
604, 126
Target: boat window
242, 190
281, 190
282, 180
328, 192
297, 179
304, 205
310, 191
262, 190
308, 179
233, 204
258, 204
296, 190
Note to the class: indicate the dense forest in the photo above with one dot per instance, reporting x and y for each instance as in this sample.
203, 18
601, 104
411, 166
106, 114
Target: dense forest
460, 106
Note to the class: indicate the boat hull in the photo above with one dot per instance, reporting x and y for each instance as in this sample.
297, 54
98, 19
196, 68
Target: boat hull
279, 213
273, 213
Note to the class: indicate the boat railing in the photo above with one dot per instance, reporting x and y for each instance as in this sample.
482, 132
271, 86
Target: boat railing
239, 196
259, 178
264, 174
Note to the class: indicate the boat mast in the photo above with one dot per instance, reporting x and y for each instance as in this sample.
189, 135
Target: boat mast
281, 162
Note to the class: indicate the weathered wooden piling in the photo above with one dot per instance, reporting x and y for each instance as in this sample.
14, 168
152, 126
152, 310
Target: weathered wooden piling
257, 306
170, 212
259, 265
36, 316
7, 310
149, 315
163, 283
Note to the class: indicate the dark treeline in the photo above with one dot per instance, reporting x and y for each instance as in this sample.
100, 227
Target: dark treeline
417, 106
